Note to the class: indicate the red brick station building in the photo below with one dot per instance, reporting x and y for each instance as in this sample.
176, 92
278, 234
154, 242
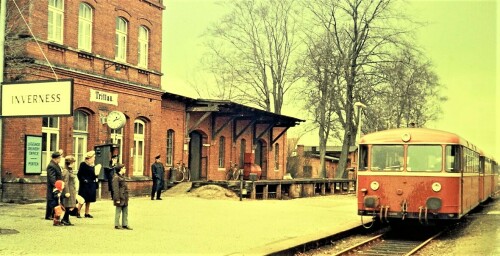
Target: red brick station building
111, 50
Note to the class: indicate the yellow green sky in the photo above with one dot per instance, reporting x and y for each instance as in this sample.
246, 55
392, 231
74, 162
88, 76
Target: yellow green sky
461, 39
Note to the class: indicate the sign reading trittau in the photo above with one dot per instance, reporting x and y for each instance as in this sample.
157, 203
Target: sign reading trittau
37, 98
104, 97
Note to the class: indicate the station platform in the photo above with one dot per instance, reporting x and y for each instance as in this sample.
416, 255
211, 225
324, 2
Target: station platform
179, 225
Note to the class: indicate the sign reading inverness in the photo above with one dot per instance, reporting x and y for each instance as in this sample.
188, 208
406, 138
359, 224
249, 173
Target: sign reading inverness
37, 98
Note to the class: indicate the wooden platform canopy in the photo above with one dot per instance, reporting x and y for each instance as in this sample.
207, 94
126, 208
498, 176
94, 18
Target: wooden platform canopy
233, 113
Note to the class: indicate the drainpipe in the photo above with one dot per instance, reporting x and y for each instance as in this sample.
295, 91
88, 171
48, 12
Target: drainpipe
3, 12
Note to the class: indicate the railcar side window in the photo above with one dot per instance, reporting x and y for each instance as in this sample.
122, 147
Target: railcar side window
387, 157
424, 158
452, 159
363, 157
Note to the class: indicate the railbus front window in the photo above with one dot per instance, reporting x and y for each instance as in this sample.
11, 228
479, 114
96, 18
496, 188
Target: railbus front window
387, 157
424, 158
452, 158
363, 157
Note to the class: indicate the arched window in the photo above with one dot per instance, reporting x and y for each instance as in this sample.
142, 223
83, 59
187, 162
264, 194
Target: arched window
170, 148
50, 139
85, 27
222, 151
80, 135
143, 50
121, 39
276, 156
56, 21
139, 138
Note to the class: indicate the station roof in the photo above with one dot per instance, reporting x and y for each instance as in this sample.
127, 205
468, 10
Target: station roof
232, 109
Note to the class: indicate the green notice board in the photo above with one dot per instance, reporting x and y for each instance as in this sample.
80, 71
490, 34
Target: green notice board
33, 155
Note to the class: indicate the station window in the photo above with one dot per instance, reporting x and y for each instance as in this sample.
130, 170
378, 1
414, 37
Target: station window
276, 156
143, 45
387, 157
85, 27
170, 148
424, 158
56, 21
50, 139
121, 39
222, 151
243, 146
80, 135
139, 140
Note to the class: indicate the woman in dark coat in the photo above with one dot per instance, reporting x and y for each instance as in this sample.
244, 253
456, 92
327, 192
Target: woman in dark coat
120, 197
88, 181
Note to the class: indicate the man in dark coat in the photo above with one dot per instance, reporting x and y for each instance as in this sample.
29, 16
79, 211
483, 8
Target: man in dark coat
158, 172
54, 173
109, 172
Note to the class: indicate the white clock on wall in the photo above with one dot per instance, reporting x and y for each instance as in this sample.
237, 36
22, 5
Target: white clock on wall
116, 120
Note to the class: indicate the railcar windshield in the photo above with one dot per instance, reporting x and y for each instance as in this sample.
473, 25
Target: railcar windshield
387, 157
424, 158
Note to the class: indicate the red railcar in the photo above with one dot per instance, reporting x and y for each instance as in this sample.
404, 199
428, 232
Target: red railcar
422, 174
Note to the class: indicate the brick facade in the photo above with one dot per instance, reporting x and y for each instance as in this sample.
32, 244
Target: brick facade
139, 97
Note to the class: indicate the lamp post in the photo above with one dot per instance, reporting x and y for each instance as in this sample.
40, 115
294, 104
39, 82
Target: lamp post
359, 105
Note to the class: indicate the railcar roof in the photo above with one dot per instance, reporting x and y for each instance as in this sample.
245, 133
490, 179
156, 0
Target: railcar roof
417, 135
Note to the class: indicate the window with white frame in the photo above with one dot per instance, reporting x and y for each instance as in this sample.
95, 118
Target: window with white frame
143, 50
56, 21
276, 156
80, 135
121, 39
117, 138
139, 135
222, 151
85, 27
50, 140
170, 148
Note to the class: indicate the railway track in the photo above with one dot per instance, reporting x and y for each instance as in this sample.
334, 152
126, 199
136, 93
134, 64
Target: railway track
391, 243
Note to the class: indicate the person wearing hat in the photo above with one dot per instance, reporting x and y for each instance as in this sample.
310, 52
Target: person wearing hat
88, 181
120, 197
69, 192
109, 172
158, 172
53, 173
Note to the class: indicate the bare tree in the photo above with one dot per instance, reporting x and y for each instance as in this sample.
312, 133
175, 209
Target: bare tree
363, 35
322, 70
251, 52
409, 93
16, 36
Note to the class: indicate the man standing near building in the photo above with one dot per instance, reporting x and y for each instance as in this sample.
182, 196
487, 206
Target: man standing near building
158, 171
53, 173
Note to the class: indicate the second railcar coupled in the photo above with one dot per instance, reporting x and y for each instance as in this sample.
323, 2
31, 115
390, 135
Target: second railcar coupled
422, 174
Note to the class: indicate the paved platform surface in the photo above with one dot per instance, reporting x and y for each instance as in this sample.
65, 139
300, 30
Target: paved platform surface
179, 225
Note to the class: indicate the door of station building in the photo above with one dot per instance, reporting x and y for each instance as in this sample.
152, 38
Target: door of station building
195, 150
261, 157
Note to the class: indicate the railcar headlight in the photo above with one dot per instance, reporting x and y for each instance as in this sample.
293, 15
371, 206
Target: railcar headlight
374, 185
436, 186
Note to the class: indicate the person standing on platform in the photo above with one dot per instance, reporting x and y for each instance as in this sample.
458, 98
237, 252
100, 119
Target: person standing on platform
120, 197
54, 173
109, 172
69, 192
158, 172
88, 181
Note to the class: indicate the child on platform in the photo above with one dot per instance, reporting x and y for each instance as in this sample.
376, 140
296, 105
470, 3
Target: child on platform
56, 204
